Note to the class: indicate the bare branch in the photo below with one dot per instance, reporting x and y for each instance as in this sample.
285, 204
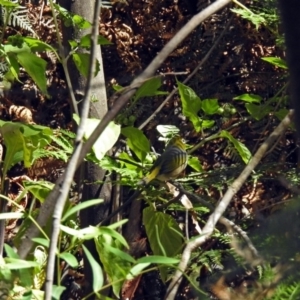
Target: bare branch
73, 163
224, 202
120, 101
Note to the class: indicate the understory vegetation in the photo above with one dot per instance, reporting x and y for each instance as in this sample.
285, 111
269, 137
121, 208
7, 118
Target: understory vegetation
230, 222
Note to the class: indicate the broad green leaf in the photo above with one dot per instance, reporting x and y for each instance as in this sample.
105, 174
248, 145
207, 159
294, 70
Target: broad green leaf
80, 206
164, 235
38, 45
137, 142
26, 296
85, 41
276, 61
21, 140
98, 278
281, 114
106, 140
57, 291
69, 258
24, 273
36, 68
39, 189
149, 88
240, 147
191, 104
195, 163
17, 264
41, 241
80, 22
82, 62
163, 232
258, 111
10, 252
250, 98
24, 48
210, 106
13, 140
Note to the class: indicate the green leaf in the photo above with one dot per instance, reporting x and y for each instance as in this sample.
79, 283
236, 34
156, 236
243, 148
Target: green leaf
210, 106
69, 258
258, 111
85, 41
149, 88
250, 98
119, 253
8, 3
42, 241
137, 142
71, 19
155, 259
17, 264
163, 232
36, 68
57, 291
38, 46
22, 139
195, 163
98, 278
114, 234
191, 104
10, 252
82, 62
106, 140
207, 123
12, 49
113, 263
80, 22
14, 142
136, 270
39, 189
281, 114
277, 62
80, 206
240, 147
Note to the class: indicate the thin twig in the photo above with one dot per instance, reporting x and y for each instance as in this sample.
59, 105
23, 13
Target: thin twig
175, 90
72, 166
223, 204
120, 101
63, 61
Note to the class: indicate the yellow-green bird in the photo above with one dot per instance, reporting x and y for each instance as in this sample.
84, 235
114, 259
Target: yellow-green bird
170, 164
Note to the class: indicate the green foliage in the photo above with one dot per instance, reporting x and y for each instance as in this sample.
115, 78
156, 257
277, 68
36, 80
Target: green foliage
260, 13
137, 142
106, 140
21, 140
14, 14
287, 291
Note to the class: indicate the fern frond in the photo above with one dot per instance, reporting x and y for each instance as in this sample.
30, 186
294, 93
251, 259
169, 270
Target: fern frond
17, 16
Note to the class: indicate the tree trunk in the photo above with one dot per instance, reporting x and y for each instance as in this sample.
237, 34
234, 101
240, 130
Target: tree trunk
92, 174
